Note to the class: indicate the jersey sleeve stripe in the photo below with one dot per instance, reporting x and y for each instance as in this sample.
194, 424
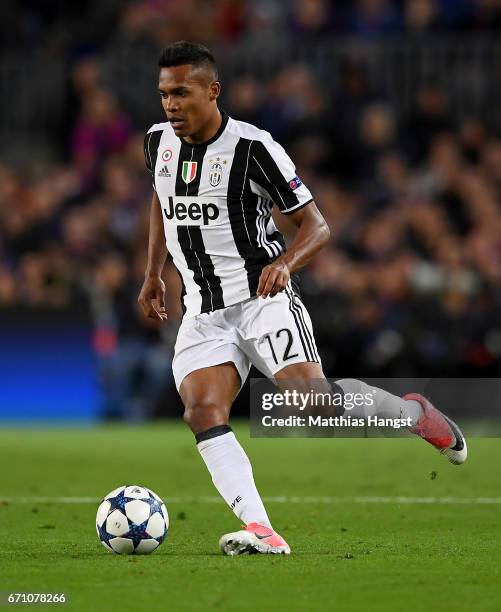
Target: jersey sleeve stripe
147, 156
269, 184
151, 143
269, 176
297, 207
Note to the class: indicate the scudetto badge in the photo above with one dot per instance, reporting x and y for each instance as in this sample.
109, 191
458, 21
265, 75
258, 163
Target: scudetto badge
189, 171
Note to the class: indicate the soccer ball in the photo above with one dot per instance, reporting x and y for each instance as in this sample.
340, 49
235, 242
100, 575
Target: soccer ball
132, 520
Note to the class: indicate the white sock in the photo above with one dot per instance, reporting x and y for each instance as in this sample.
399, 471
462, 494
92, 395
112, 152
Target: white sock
231, 473
384, 404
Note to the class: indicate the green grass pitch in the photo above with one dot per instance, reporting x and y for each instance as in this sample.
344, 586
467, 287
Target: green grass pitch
347, 554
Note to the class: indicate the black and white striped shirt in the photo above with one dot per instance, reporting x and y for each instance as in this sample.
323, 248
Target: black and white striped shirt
216, 200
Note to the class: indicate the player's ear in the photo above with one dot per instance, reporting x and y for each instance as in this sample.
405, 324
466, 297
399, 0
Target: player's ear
214, 90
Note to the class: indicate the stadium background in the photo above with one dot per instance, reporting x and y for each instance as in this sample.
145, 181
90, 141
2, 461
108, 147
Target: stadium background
390, 111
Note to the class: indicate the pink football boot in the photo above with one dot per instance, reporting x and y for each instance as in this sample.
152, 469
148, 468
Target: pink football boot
252, 540
440, 431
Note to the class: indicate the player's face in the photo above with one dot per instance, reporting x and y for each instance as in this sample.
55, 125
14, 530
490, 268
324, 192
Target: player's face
188, 98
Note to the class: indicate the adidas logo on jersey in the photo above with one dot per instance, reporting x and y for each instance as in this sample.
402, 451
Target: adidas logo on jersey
164, 172
201, 212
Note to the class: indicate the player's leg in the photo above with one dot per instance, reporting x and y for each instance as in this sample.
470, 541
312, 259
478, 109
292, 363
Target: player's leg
426, 421
207, 395
209, 369
286, 351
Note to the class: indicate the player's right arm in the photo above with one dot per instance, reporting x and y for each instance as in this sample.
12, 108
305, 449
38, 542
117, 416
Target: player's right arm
152, 295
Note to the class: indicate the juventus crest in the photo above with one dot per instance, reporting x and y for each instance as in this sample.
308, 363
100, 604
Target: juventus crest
216, 171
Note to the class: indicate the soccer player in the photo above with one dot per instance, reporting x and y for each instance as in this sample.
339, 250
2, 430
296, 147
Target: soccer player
215, 182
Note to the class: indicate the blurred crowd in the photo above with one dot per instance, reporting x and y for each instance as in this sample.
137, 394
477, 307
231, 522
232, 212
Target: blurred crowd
410, 284
55, 25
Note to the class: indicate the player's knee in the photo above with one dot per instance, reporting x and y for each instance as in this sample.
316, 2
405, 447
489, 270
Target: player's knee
202, 415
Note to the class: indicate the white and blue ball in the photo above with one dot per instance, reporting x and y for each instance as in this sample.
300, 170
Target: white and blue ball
132, 520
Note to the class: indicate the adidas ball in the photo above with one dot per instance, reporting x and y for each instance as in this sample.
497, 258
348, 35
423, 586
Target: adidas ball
132, 520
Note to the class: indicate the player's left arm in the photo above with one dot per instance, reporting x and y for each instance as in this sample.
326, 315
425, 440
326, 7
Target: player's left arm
312, 234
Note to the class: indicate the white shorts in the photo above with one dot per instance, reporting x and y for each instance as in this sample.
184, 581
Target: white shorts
269, 333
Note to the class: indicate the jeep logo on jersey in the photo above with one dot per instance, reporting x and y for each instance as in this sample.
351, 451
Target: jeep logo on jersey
189, 171
191, 211
215, 174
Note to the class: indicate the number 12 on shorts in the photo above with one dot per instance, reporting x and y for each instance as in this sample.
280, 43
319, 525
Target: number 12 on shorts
281, 345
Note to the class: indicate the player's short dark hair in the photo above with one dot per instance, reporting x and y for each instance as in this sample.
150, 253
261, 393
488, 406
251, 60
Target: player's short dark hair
183, 52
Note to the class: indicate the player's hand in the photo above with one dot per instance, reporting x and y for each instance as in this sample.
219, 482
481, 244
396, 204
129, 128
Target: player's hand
151, 298
273, 279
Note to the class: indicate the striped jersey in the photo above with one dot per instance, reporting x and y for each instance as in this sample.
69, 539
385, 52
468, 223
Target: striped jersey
216, 199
